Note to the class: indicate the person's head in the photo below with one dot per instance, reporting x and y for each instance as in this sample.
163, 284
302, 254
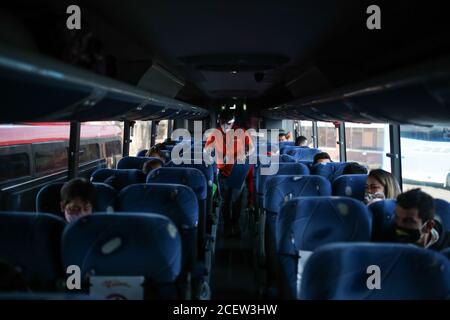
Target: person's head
150, 165
226, 120
301, 141
354, 168
414, 217
282, 136
77, 198
155, 152
381, 184
321, 157
11, 280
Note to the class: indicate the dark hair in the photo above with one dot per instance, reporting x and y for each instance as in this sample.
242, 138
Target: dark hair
225, 116
416, 198
321, 155
148, 165
156, 149
390, 184
300, 140
11, 279
354, 168
77, 188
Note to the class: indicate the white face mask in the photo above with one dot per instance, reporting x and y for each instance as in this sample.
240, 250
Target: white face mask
227, 126
372, 197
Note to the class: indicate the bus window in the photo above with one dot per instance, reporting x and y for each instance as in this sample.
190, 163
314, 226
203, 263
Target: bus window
162, 131
101, 140
305, 129
89, 152
50, 157
328, 135
426, 159
367, 144
14, 165
140, 138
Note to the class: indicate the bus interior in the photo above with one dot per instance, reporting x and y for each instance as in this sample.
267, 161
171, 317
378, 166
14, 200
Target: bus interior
90, 88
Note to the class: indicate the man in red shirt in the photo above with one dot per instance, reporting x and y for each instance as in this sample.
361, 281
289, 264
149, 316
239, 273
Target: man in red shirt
231, 145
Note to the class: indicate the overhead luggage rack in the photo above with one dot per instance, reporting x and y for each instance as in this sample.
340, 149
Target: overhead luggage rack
36, 88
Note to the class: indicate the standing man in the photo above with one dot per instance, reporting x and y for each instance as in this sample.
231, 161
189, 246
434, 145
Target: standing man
232, 145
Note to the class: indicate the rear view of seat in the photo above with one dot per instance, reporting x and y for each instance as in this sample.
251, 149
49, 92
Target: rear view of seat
178, 203
407, 272
307, 223
192, 178
119, 178
350, 185
131, 244
301, 153
49, 197
280, 189
330, 170
175, 201
31, 243
142, 153
134, 162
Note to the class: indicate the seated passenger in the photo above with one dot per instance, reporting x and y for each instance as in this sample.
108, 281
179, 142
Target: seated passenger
151, 165
414, 222
354, 168
380, 185
77, 198
322, 157
155, 152
301, 141
283, 136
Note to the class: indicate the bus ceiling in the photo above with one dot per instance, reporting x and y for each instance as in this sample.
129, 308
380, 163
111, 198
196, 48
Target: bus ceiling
36, 88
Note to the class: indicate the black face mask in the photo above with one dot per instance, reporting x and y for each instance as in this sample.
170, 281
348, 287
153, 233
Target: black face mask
406, 235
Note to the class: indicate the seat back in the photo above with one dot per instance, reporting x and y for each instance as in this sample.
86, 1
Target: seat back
48, 199
142, 153
31, 243
135, 162
330, 170
175, 201
308, 223
341, 271
302, 153
350, 185
192, 178
131, 244
118, 178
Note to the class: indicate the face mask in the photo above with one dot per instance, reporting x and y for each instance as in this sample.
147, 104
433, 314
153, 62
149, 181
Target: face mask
406, 235
226, 127
372, 197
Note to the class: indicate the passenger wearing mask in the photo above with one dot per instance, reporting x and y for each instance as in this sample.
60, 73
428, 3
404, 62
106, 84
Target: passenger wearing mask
414, 222
380, 185
77, 199
239, 151
322, 157
301, 141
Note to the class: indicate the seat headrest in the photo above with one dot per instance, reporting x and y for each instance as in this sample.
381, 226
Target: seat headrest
407, 272
176, 201
280, 189
132, 244
190, 177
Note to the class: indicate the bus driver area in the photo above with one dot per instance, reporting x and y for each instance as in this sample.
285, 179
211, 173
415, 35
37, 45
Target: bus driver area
184, 152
